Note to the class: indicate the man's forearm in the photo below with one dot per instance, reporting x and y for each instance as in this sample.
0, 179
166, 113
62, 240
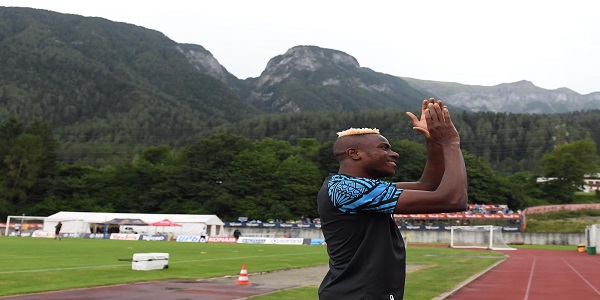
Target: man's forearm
434, 166
454, 180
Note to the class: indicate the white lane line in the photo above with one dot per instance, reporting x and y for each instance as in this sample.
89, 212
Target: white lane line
581, 276
530, 279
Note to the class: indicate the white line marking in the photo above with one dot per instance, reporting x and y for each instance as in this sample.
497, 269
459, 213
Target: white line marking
530, 279
581, 276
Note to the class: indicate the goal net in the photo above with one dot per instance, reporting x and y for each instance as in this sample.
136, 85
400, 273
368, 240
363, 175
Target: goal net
482, 237
22, 225
592, 235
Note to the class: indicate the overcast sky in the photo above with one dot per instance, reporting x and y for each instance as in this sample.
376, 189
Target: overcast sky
551, 43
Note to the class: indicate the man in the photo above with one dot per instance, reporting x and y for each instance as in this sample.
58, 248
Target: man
17, 228
366, 250
203, 236
236, 234
57, 231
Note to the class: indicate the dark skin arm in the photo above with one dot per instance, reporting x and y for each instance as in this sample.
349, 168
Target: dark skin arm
434, 166
435, 192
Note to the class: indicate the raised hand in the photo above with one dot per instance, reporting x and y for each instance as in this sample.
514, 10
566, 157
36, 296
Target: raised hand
439, 125
421, 125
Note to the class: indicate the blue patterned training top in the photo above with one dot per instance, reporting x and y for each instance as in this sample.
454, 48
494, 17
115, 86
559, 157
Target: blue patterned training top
354, 194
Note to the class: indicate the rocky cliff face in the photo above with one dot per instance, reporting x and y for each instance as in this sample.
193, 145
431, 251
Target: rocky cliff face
311, 59
309, 78
207, 64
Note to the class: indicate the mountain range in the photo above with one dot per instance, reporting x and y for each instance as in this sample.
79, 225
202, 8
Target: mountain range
326, 74
92, 78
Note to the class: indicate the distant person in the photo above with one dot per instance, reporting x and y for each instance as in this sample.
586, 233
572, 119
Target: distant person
203, 235
367, 255
236, 234
57, 231
17, 229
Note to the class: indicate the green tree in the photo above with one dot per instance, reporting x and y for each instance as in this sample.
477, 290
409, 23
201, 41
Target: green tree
524, 190
296, 184
157, 154
205, 174
70, 189
326, 160
252, 182
411, 160
566, 166
22, 167
483, 184
10, 130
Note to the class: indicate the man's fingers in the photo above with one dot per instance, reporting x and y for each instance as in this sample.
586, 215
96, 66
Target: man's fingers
412, 117
424, 105
422, 131
435, 112
440, 104
447, 114
429, 118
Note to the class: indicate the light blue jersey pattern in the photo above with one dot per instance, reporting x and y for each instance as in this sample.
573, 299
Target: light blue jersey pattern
354, 194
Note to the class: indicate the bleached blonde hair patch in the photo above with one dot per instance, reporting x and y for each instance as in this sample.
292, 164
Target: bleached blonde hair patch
355, 131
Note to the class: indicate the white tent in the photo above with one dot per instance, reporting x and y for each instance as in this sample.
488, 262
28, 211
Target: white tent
86, 222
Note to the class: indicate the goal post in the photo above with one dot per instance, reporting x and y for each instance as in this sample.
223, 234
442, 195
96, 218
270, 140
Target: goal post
23, 225
479, 237
592, 235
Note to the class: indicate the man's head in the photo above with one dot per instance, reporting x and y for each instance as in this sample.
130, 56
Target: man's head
363, 152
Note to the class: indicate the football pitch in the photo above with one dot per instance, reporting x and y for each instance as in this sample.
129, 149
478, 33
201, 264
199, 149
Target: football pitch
36, 264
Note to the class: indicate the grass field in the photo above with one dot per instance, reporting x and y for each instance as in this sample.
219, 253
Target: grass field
37, 264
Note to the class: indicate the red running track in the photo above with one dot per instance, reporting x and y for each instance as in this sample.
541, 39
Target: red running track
537, 275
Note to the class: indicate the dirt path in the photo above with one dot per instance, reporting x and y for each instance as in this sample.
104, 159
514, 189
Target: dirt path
308, 276
286, 278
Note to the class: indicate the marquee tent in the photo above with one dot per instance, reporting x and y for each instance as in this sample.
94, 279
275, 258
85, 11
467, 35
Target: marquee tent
87, 222
127, 221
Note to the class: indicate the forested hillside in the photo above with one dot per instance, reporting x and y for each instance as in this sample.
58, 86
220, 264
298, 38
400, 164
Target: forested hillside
104, 83
508, 142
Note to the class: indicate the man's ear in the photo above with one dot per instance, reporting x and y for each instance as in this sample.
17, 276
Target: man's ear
353, 153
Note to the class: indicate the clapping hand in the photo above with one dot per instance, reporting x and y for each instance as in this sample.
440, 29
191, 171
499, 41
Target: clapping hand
421, 125
439, 125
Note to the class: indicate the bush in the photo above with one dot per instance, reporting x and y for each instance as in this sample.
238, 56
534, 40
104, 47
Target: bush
563, 221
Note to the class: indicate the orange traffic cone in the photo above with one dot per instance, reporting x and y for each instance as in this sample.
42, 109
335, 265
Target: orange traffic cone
243, 279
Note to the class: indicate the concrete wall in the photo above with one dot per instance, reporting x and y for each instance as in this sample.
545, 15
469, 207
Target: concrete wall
526, 238
421, 236
312, 233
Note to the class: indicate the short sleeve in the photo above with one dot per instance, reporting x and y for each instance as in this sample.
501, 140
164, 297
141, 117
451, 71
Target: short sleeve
353, 194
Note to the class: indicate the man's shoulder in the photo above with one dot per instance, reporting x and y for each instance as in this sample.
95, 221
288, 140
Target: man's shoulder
349, 182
